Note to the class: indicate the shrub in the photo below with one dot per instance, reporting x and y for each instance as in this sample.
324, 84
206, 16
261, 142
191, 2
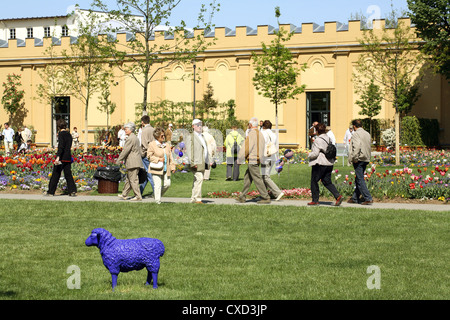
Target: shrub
410, 132
429, 132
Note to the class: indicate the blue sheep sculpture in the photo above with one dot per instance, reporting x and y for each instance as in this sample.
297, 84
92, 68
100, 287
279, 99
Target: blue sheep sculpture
128, 254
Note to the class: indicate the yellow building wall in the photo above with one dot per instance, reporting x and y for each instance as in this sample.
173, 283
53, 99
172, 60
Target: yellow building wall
329, 55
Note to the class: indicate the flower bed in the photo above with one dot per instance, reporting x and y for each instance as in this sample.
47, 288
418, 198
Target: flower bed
296, 193
419, 183
32, 171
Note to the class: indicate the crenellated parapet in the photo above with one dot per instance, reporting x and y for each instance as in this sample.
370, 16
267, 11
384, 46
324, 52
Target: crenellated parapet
241, 37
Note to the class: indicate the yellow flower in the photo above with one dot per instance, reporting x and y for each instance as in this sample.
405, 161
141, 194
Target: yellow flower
14, 187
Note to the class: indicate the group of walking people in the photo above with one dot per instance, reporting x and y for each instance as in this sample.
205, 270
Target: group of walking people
151, 151
359, 154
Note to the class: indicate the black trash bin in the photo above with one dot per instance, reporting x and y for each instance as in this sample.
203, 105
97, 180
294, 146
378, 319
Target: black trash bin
108, 179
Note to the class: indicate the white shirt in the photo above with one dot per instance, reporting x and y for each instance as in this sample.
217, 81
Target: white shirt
269, 136
26, 134
121, 134
9, 134
330, 134
348, 136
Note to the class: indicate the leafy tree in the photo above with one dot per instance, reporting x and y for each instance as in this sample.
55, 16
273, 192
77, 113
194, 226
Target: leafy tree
391, 59
86, 66
276, 71
105, 104
208, 104
143, 57
370, 102
432, 22
12, 95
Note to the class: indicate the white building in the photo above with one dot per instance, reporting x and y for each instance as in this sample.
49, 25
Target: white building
43, 27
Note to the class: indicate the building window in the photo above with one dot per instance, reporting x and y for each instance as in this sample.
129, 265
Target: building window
65, 31
46, 32
29, 32
12, 33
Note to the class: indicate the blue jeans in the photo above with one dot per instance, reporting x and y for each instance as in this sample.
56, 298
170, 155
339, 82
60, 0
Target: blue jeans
146, 163
360, 184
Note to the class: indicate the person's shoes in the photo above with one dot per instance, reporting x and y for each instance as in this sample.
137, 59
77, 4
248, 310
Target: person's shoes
73, 194
279, 196
339, 201
240, 199
264, 201
366, 203
46, 194
121, 197
313, 203
228, 179
135, 199
351, 201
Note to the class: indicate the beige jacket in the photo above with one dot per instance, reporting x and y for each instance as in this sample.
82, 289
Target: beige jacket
197, 153
131, 153
360, 146
155, 152
253, 150
146, 138
317, 154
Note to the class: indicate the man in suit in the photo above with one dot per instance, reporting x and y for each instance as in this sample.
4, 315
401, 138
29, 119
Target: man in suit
146, 138
131, 155
253, 153
198, 158
359, 154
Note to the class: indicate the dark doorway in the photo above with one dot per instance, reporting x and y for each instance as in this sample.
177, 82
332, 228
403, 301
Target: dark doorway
60, 110
317, 109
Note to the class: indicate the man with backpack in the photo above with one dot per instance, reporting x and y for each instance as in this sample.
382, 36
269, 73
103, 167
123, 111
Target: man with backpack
233, 141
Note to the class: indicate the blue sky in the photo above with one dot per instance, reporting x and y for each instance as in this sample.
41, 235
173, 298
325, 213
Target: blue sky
233, 12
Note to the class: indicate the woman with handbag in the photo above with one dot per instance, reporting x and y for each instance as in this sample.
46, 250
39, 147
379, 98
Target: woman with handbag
269, 159
321, 167
159, 153
131, 155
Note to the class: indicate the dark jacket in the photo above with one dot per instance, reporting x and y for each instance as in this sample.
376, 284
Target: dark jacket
64, 145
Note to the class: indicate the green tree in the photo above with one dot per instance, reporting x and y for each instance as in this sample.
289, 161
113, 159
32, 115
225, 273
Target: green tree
432, 22
53, 84
391, 59
105, 104
13, 95
276, 71
370, 102
207, 106
143, 58
86, 66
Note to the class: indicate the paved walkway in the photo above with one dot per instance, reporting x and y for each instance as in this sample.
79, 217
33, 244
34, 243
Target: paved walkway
298, 203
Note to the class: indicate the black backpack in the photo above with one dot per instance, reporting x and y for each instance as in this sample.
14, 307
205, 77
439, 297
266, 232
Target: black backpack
330, 152
235, 148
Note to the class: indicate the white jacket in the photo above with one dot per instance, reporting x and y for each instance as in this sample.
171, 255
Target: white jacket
317, 155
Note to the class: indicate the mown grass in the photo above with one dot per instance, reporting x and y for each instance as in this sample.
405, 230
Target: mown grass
221, 252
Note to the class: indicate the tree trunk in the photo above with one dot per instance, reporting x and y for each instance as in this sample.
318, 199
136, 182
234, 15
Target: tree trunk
86, 127
397, 138
276, 126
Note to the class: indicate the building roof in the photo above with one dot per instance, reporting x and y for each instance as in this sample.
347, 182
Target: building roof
33, 18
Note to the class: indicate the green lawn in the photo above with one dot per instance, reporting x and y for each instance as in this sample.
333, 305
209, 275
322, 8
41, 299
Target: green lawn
292, 176
226, 252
